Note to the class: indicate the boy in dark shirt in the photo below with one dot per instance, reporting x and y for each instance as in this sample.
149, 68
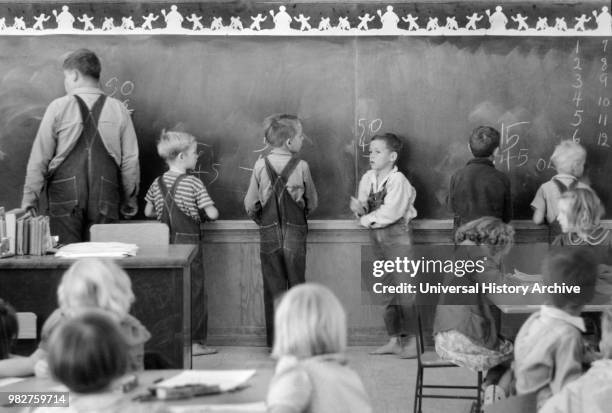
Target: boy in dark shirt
478, 189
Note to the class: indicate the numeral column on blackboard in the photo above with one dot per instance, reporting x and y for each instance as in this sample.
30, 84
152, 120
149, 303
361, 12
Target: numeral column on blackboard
577, 99
603, 103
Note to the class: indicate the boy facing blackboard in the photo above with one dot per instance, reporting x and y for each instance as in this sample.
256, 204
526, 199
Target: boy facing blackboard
281, 194
478, 189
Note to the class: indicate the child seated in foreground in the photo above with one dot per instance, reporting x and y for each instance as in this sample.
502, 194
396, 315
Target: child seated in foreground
548, 351
468, 334
310, 344
592, 392
87, 284
87, 354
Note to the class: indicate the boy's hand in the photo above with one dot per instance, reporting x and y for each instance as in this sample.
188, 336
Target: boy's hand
357, 207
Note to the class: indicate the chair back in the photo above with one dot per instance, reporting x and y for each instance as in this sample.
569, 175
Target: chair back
139, 233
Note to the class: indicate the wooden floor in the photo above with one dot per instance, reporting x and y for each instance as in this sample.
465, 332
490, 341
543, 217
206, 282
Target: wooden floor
388, 380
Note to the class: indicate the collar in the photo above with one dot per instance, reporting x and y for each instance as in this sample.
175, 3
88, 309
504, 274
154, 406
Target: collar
481, 161
565, 176
558, 314
378, 181
87, 90
281, 151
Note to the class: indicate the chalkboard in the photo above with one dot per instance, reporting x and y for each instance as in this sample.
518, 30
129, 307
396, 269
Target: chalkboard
430, 90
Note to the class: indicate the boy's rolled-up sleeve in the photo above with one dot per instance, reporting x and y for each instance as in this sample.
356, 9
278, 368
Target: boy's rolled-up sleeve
252, 204
43, 150
311, 198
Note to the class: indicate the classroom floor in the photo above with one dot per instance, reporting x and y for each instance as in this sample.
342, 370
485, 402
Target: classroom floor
388, 380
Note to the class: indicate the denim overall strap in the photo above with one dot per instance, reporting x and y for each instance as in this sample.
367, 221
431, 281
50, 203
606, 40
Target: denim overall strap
554, 229
376, 199
183, 228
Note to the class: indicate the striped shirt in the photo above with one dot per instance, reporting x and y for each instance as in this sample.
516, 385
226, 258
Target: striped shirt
191, 195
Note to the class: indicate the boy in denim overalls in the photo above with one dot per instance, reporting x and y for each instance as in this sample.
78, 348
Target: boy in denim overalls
178, 199
385, 205
281, 194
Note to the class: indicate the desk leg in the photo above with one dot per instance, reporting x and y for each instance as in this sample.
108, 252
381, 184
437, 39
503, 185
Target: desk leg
187, 317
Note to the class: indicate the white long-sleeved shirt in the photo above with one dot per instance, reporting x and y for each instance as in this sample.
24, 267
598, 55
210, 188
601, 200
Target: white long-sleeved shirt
398, 203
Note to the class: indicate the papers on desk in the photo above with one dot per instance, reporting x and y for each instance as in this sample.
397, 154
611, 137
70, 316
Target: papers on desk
10, 380
226, 380
97, 249
225, 408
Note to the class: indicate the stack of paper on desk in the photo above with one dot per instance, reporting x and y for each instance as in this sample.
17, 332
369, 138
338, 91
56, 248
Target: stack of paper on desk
226, 379
97, 249
257, 407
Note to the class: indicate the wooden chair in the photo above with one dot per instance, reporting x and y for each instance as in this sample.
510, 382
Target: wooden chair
139, 233
525, 403
429, 360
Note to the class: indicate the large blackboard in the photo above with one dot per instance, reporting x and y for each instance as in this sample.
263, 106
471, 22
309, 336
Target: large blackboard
431, 91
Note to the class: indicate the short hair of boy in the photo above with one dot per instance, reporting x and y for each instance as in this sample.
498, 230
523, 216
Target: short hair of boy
87, 353
586, 209
569, 157
574, 266
9, 328
483, 141
172, 143
394, 144
309, 321
85, 61
279, 128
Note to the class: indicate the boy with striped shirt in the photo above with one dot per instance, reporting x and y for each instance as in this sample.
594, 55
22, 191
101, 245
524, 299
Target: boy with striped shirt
177, 200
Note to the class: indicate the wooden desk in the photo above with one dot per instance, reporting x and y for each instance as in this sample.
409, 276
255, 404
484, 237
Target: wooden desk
256, 390
532, 308
161, 281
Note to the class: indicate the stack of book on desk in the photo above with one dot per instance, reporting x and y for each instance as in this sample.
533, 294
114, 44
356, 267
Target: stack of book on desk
23, 234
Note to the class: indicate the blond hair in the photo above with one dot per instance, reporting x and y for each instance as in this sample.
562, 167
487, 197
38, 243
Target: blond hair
309, 321
172, 143
94, 283
584, 212
569, 157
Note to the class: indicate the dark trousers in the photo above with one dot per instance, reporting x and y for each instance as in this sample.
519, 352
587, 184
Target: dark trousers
389, 242
74, 225
199, 300
281, 270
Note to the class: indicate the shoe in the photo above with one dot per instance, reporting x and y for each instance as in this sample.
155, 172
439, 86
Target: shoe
409, 350
493, 393
392, 347
198, 349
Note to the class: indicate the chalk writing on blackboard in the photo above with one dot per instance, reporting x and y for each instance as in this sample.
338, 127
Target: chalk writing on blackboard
366, 129
510, 153
124, 89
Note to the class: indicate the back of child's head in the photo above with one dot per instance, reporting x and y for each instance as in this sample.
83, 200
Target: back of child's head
574, 266
94, 283
483, 141
8, 328
393, 142
279, 128
584, 210
87, 352
85, 61
569, 158
309, 321
487, 231
605, 345
172, 143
